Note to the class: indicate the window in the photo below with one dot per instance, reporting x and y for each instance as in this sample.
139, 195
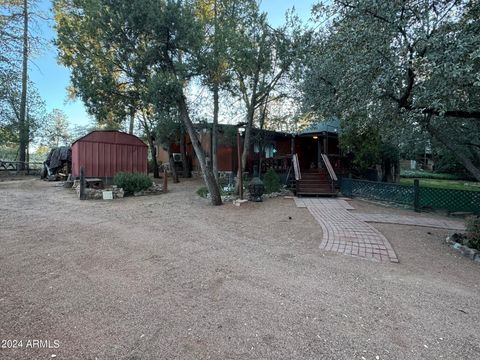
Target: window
270, 151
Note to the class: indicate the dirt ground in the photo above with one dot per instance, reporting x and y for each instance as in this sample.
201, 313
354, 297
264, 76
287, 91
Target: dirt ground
170, 277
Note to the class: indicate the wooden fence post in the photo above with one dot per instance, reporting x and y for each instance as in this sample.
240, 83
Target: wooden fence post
416, 195
165, 180
82, 184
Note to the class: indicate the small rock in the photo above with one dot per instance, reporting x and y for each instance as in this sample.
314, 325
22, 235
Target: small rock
239, 202
467, 252
457, 246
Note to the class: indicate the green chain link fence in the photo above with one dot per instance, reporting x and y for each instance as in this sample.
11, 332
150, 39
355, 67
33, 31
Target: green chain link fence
415, 196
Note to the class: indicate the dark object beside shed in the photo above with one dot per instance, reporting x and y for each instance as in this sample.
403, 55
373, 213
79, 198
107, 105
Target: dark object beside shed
56, 160
106, 153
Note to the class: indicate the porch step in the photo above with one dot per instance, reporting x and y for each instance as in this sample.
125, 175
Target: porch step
314, 184
325, 189
315, 181
316, 194
315, 176
313, 190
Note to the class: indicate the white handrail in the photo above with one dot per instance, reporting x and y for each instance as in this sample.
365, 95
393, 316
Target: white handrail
331, 172
296, 167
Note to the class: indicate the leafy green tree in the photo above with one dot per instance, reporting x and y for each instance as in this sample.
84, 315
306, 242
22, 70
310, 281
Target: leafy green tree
168, 131
106, 65
15, 20
57, 130
369, 148
101, 73
210, 62
154, 45
219, 18
261, 59
10, 27
10, 104
396, 65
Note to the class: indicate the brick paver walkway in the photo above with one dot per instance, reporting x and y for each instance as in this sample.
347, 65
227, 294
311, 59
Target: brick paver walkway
411, 220
345, 233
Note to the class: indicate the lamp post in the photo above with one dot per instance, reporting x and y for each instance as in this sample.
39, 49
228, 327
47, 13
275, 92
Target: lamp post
240, 175
239, 154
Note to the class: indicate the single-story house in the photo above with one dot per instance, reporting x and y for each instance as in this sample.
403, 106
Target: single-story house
268, 148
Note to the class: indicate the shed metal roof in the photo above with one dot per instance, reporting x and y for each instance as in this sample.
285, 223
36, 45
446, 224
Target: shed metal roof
111, 136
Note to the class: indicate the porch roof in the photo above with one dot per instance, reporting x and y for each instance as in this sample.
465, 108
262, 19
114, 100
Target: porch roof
331, 126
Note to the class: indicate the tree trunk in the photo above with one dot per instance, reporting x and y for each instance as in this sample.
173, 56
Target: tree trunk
151, 144
186, 166
215, 132
215, 97
23, 128
246, 143
396, 172
460, 155
171, 162
132, 120
390, 171
261, 142
207, 173
462, 158
153, 153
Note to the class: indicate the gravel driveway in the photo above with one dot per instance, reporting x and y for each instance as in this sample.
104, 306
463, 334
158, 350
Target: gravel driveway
170, 277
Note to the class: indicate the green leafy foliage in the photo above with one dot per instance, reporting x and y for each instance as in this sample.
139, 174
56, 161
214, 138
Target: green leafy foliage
132, 182
10, 96
369, 148
202, 192
418, 174
401, 67
8, 153
473, 232
134, 57
446, 162
271, 180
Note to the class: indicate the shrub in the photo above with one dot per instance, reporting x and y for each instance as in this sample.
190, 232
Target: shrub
132, 183
202, 192
428, 175
271, 180
473, 232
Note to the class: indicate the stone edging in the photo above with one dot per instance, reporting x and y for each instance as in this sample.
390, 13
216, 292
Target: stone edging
472, 254
232, 198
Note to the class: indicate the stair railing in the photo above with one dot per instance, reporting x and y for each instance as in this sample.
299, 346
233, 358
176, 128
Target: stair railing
331, 172
296, 167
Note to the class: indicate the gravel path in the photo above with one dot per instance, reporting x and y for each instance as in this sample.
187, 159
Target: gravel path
169, 277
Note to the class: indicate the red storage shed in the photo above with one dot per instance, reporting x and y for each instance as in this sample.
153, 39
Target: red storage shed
105, 153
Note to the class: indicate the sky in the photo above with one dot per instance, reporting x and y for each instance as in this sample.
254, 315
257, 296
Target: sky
52, 79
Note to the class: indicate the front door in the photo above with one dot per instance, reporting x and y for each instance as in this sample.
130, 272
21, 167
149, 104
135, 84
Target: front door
308, 152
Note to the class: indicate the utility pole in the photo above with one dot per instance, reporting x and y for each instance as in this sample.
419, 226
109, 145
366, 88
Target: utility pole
23, 126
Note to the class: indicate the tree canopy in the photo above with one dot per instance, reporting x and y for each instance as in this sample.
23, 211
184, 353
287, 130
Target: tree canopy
134, 54
401, 65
